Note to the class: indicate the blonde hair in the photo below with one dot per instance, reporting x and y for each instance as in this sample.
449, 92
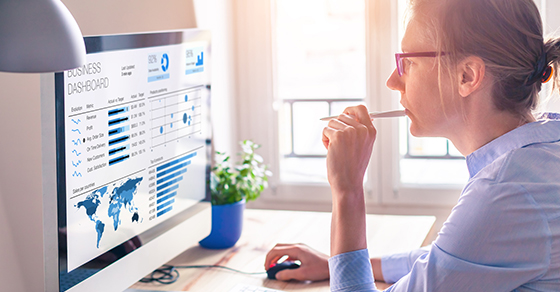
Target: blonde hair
506, 34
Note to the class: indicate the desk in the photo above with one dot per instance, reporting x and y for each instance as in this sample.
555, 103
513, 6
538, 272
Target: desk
264, 228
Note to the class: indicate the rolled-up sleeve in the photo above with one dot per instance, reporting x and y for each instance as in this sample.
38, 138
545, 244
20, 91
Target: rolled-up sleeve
351, 271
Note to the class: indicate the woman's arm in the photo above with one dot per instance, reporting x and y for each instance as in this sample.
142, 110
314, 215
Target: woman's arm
377, 272
349, 141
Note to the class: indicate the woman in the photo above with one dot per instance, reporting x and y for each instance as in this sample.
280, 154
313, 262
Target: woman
471, 72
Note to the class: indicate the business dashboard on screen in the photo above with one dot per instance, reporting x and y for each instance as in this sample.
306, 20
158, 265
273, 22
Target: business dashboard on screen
132, 145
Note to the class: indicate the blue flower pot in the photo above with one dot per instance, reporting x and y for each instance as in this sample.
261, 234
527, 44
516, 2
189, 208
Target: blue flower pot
227, 224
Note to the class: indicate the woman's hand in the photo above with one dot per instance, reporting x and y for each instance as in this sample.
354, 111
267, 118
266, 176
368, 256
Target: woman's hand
349, 141
314, 265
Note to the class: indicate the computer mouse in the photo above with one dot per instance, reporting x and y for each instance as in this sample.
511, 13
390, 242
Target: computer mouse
271, 272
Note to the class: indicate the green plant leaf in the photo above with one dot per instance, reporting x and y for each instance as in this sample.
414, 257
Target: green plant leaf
246, 180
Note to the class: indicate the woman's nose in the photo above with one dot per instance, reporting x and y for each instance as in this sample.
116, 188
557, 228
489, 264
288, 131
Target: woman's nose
395, 82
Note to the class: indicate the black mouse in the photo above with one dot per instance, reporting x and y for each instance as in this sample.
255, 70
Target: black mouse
271, 272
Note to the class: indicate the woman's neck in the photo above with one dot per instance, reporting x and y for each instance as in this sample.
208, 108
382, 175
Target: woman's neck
480, 128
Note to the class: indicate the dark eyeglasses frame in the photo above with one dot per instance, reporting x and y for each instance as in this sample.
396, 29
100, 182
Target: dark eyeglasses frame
400, 56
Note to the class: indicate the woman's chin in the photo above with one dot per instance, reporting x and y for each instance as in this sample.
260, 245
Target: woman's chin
414, 131
419, 132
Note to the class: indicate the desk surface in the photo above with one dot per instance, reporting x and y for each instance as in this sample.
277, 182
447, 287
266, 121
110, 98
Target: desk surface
262, 229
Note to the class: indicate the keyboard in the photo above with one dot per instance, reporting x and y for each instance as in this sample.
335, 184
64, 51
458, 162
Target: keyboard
251, 288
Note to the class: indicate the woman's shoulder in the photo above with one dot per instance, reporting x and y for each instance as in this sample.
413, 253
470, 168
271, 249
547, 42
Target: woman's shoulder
535, 163
525, 179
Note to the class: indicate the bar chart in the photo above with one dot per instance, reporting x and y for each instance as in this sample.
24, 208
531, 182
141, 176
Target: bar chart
118, 137
168, 177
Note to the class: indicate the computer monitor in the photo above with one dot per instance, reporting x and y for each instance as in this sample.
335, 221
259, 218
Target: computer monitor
130, 148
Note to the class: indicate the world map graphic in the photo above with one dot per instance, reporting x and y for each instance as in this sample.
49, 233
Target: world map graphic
121, 196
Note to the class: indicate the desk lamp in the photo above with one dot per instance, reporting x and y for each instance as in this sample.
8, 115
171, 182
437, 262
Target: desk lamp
39, 36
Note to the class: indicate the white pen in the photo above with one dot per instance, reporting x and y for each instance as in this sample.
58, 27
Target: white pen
376, 115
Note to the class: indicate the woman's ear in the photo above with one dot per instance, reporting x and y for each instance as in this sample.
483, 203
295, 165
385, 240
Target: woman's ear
471, 72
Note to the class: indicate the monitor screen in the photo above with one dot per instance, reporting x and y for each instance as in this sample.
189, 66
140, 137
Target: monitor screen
132, 146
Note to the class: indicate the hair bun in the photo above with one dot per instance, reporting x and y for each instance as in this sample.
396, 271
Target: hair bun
541, 70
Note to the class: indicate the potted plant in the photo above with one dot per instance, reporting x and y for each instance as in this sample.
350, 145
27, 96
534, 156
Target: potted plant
231, 187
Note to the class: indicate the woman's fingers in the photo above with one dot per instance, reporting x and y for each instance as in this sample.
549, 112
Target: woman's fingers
314, 265
353, 117
349, 140
334, 125
279, 251
361, 114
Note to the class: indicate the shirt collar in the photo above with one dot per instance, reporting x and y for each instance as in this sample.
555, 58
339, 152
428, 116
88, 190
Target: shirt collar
545, 130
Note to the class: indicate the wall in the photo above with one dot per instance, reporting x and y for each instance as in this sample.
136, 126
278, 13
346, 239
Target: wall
123, 16
21, 247
217, 16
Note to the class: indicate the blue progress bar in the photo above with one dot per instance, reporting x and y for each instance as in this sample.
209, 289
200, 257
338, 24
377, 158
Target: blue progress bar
167, 197
159, 181
162, 173
159, 207
164, 211
118, 130
195, 70
158, 77
176, 161
119, 159
118, 111
167, 191
171, 182
118, 140
118, 149
117, 121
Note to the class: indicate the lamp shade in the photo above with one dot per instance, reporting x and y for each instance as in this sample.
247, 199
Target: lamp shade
39, 36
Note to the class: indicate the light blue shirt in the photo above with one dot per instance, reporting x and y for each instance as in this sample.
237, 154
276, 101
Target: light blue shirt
503, 234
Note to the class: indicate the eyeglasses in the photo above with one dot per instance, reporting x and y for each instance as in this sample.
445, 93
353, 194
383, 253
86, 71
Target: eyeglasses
400, 56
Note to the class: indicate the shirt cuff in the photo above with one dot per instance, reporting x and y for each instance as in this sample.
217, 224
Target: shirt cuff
398, 265
351, 271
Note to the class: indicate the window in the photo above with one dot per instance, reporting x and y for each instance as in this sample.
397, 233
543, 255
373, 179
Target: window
319, 47
302, 60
